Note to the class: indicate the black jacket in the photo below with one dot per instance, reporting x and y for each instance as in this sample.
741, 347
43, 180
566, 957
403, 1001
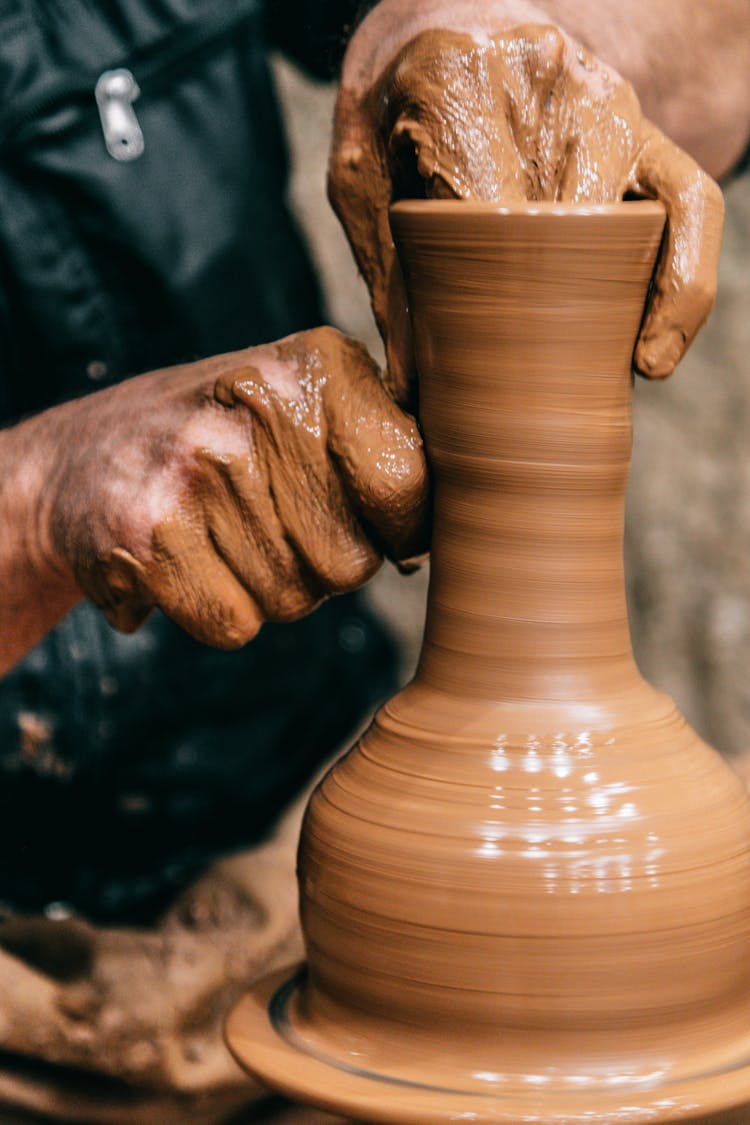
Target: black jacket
127, 763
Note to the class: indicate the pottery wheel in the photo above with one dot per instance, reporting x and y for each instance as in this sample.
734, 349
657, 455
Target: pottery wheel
268, 1038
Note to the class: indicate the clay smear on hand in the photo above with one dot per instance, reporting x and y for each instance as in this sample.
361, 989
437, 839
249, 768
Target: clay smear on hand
524, 115
311, 475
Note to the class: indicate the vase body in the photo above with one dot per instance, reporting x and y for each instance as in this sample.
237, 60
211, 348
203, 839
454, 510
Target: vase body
530, 873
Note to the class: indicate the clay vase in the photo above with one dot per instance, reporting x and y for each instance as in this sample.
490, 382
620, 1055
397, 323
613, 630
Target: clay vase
525, 894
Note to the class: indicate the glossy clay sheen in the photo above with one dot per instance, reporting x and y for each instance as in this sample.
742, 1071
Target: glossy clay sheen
531, 876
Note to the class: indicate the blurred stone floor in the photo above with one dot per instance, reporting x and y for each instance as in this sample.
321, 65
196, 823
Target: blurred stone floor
688, 529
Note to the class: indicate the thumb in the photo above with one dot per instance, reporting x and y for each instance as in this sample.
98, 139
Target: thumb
378, 450
685, 280
360, 192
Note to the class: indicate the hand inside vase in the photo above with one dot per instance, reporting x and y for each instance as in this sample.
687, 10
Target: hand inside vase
527, 114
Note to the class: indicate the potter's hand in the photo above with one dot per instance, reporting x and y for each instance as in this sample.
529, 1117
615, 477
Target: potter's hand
237, 489
524, 114
131, 1020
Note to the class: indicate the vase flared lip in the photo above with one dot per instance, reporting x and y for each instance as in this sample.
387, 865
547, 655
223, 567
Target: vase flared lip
635, 208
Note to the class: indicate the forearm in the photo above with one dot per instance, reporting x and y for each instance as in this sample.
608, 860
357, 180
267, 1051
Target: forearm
36, 591
689, 61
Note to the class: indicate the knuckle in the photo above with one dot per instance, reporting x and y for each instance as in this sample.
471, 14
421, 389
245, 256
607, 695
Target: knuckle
292, 604
552, 46
401, 480
385, 490
229, 626
714, 197
238, 631
237, 385
224, 388
366, 566
699, 294
346, 569
347, 157
325, 338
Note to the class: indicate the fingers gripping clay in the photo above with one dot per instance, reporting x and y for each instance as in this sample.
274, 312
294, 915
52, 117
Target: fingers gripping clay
293, 475
524, 115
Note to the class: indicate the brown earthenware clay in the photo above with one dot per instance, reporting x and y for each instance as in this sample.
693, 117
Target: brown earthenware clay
526, 892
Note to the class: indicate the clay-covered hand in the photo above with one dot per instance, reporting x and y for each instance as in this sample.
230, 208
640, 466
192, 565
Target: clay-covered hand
524, 113
130, 1020
238, 489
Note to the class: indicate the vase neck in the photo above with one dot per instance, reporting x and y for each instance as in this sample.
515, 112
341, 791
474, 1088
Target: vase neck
524, 333
527, 589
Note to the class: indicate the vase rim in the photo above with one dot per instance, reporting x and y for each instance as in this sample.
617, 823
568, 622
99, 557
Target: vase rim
632, 208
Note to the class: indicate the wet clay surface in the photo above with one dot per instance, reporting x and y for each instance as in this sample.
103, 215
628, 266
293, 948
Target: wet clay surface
524, 115
527, 890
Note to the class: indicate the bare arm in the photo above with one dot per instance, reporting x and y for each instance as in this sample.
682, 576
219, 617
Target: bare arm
689, 60
36, 592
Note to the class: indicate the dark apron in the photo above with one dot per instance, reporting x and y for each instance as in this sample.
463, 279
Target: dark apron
128, 763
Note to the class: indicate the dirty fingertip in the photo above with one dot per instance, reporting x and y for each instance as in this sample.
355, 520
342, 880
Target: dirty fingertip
658, 353
238, 623
236, 386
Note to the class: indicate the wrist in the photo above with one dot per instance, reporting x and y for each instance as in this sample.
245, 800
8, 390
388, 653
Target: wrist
40, 444
30, 453
38, 588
